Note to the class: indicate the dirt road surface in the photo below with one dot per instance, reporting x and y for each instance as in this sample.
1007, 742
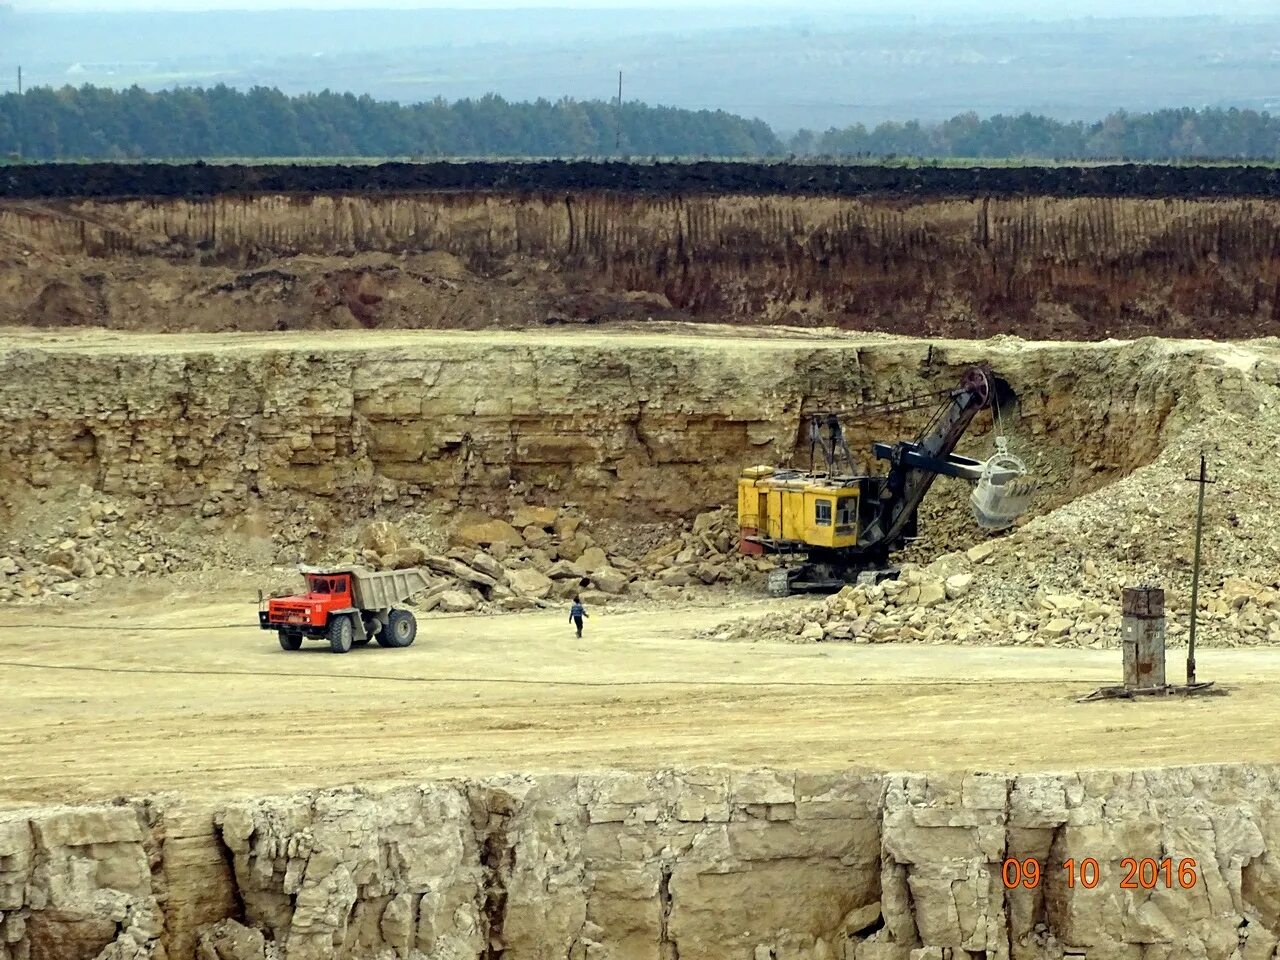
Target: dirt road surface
161, 696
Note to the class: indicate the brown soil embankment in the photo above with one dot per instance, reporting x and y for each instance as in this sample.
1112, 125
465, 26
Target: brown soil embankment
1068, 269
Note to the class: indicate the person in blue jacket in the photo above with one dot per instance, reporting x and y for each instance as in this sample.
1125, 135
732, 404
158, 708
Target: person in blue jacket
577, 613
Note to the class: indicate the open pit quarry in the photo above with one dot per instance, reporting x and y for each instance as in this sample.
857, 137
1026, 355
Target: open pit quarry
540, 393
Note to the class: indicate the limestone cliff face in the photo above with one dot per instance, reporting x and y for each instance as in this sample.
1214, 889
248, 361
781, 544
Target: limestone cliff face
636, 426
699, 863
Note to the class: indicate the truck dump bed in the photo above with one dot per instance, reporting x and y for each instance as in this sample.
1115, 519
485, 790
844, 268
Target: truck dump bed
377, 591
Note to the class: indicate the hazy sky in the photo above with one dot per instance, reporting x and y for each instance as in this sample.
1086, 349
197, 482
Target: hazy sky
1044, 9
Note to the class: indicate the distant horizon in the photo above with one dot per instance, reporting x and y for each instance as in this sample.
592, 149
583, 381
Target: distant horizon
810, 65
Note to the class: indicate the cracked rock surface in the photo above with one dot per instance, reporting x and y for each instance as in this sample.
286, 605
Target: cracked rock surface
692, 863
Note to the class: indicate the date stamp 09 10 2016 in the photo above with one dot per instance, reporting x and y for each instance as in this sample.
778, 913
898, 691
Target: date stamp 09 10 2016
1145, 874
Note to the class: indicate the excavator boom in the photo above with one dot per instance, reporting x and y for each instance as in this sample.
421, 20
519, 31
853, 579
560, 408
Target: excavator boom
914, 466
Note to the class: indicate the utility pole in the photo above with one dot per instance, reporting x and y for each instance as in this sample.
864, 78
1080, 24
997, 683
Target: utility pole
18, 116
1203, 481
617, 143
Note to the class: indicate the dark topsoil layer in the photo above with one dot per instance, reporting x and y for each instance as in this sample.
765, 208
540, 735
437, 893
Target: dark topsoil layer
113, 180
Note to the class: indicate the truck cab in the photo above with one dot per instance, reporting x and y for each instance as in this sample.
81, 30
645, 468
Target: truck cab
308, 613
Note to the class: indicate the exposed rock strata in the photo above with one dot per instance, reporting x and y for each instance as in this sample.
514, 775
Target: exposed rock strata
974, 266
692, 864
633, 426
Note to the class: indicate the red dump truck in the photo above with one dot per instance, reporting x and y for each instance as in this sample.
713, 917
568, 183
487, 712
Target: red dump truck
347, 607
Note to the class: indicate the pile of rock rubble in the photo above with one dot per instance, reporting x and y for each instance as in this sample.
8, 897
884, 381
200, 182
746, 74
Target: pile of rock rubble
101, 538
541, 557
531, 556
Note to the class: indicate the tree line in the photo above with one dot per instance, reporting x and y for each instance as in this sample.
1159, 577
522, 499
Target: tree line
1181, 134
101, 123
90, 122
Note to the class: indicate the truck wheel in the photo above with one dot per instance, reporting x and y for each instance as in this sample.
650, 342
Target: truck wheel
290, 641
400, 631
340, 634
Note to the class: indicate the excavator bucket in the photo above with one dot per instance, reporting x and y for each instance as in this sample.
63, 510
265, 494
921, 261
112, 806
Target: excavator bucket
1004, 491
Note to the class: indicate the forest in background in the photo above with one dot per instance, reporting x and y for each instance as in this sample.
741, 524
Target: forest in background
1183, 134
88, 122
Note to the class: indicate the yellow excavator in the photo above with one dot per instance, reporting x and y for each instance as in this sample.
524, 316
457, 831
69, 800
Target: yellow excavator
837, 526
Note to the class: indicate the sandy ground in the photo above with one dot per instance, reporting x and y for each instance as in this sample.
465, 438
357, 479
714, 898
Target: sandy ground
98, 341
161, 696
92, 340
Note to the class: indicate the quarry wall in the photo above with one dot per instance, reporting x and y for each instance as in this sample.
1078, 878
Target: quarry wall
697, 863
639, 427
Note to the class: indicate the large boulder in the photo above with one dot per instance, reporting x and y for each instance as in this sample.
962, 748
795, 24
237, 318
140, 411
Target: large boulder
711, 572
932, 593
488, 566
574, 547
980, 552
529, 583
608, 580
380, 536
535, 536
414, 555
543, 517
566, 570
567, 527
540, 560
675, 577
453, 568
487, 532
705, 521
662, 555
1062, 603
457, 601
1057, 627
565, 589
958, 585
592, 559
